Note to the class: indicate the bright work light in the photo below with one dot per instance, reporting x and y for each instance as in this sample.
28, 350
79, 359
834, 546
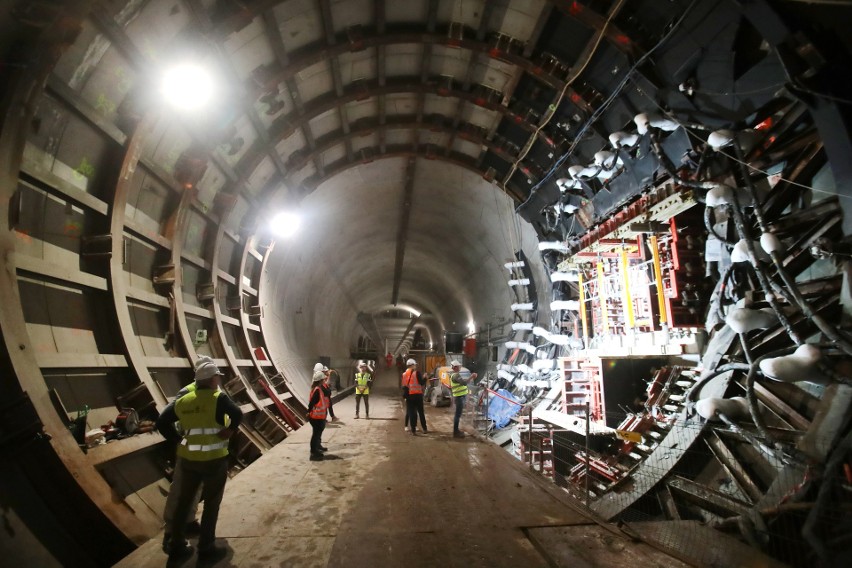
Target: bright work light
285, 224
187, 86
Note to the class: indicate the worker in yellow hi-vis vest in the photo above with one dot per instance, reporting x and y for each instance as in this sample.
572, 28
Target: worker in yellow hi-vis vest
363, 382
458, 384
202, 458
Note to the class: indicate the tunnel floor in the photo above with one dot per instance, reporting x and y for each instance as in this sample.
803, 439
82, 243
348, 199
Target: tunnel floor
387, 498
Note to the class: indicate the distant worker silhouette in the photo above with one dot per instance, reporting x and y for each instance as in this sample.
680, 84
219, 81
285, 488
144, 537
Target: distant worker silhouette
458, 384
318, 404
412, 383
363, 382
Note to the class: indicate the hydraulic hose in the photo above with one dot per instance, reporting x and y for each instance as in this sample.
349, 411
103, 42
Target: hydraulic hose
739, 221
829, 330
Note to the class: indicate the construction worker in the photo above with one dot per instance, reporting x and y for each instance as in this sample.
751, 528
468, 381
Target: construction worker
319, 367
202, 458
318, 404
192, 526
363, 382
459, 387
389, 360
412, 383
334, 380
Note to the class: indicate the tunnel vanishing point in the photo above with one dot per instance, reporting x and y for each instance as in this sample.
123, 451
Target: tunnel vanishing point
631, 218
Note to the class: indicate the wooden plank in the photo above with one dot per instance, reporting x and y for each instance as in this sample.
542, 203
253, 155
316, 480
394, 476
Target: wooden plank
229, 320
196, 260
167, 362
147, 297
226, 277
732, 466
80, 361
706, 498
119, 448
56, 185
781, 408
148, 235
71, 276
197, 311
85, 110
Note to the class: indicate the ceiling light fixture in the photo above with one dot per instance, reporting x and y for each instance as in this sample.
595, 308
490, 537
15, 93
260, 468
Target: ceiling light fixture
187, 86
285, 224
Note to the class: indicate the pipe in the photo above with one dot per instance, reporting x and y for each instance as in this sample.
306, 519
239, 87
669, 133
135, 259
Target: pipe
694, 389
708, 224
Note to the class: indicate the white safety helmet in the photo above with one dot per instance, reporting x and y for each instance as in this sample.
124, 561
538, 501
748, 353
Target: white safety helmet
205, 370
318, 367
455, 363
202, 359
318, 376
324, 369
411, 362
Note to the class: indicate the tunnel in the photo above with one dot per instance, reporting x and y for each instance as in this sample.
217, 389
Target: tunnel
631, 218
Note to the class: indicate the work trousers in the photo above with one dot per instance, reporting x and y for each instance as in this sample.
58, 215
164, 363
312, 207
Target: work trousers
414, 408
171, 501
210, 476
318, 425
358, 398
459, 402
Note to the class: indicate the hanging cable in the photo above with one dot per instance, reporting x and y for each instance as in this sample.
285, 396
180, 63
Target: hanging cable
739, 222
605, 105
551, 110
829, 330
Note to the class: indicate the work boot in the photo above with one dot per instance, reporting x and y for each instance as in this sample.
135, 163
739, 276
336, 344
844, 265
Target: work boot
357, 417
193, 528
458, 434
317, 457
212, 555
180, 552
323, 449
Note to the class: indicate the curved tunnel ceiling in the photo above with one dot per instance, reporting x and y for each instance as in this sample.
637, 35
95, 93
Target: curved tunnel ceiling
419, 140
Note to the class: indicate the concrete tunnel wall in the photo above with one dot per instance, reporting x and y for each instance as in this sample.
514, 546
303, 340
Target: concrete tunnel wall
135, 243
461, 232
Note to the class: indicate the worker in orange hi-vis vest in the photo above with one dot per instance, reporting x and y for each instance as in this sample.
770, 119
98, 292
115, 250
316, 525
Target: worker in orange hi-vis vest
412, 384
317, 412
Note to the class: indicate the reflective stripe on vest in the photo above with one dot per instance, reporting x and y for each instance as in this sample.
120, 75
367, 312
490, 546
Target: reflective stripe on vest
362, 383
201, 431
458, 388
409, 379
197, 413
204, 447
320, 409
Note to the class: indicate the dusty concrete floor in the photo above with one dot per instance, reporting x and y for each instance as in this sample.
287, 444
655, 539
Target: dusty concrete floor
386, 498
